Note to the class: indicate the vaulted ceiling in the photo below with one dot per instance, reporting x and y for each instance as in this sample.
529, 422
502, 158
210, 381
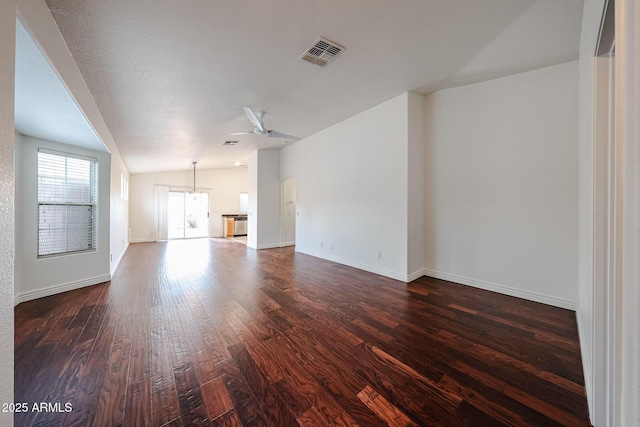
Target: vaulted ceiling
171, 77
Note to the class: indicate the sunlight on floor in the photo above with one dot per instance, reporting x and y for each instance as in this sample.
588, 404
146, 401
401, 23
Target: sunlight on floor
240, 239
187, 257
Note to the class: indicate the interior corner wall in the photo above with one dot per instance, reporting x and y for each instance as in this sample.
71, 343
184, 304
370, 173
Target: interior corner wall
7, 195
415, 187
351, 190
224, 187
39, 277
264, 200
501, 185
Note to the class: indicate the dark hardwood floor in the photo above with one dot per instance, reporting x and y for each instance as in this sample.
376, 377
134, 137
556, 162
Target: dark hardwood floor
208, 332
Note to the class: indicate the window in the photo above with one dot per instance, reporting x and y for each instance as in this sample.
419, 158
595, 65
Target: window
67, 203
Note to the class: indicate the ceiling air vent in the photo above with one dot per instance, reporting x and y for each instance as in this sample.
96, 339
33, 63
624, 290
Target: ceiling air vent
230, 143
322, 51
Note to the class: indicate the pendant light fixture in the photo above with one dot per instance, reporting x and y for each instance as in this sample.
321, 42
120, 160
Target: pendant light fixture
194, 190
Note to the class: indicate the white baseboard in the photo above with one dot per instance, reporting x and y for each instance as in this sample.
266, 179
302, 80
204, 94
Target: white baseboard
361, 266
502, 289
415, 275
272, 245
142, 241
117, 263
268, 246
56, 289
586, 364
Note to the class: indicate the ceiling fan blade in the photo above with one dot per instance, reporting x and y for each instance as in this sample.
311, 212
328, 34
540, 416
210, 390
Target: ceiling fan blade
253, 118
276, 134
242, 133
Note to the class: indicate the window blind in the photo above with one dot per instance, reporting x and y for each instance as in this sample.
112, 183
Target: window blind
67, 203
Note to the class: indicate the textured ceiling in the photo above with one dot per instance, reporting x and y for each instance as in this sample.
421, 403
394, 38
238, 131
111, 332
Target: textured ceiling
170, 78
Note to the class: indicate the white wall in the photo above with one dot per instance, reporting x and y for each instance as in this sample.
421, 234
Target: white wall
501, 185
7, 190
224, 187
352, 189
264, 200
35, 277
593, 347
119, 227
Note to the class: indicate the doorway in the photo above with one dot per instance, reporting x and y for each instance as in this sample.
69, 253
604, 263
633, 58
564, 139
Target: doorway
188, 215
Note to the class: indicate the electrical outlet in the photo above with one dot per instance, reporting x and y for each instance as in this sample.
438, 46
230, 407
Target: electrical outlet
379, 255
321, 244
332, 246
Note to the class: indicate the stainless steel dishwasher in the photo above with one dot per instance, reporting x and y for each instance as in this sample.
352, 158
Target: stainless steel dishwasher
240, 226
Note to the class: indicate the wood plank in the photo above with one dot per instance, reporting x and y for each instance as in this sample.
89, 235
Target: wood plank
228, 419
140, 361
216, 398
87, 398
111, 405
192, 408
165, 406
246, 407
383, 408
552, 411
312, 418
264, 392
494, 409
138, 404
161, 366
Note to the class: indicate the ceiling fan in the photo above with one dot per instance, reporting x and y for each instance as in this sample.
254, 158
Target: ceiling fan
258, 126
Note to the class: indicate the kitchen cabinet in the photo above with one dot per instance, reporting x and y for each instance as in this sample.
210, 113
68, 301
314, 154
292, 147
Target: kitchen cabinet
230, 227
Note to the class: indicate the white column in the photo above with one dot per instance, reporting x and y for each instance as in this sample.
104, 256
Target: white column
627, 328
7, 191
